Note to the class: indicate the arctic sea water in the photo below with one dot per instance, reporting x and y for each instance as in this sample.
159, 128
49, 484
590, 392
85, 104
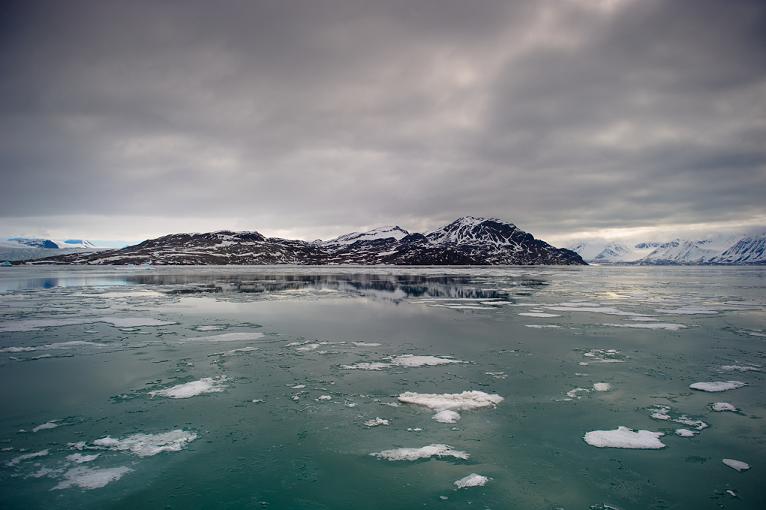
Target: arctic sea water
383, 388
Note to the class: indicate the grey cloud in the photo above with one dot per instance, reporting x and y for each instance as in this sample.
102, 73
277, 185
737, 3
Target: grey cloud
312, 115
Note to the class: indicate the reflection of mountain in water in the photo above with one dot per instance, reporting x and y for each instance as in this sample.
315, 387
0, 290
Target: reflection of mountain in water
390, 287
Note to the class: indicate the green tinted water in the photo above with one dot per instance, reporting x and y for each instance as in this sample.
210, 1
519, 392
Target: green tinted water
264, 443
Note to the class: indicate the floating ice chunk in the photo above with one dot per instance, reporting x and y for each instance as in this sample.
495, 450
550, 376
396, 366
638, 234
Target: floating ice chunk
740, 368
21, 458
575, 392
716, 386
623, 437
89, 478
723, 406
249, 348
46, 426
298, 386
365, 344
119, 322
308, 347
54, 346
541, 326
324, 397
446, 416
147, 445
193, 388
376, 422
736, 464
411, 361
210, 327
602, 386
425, 452
497, 375
79, 458
472, 480
649, 325
685, 433
464, 401
591, 309
643, 319
605, 356
227, 337
687, 310
374, 365
538, 314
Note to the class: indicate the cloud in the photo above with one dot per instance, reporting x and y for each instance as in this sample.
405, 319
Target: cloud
312, 118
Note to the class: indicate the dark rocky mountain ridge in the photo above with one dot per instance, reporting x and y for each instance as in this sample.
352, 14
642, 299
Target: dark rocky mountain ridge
466, 241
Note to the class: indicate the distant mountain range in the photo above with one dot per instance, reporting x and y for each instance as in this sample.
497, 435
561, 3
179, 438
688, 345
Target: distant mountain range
718, 250
465, 241
27, 248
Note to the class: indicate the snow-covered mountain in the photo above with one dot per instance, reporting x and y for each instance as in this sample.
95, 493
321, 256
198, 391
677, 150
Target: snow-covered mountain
375, 234
468, 240
28, 248
719, 249
749, 250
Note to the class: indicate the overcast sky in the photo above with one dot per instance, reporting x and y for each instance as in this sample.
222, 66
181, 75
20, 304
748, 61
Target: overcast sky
570, 118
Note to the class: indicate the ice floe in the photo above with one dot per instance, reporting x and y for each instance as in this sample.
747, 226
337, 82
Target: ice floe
662, 412
227, 337
602, 386
193, 388
687, 310
375, 422
90, 478
562, 307
736, 464
605, 356
79, 458
54, 346
404, 360
472, 480
118, 322
365, 344
541, 326
147, 445
46, 426
669, 326
716, 386
446, 416
623, 437
741, 368
21, 458
209, 327
465, 401
722, 407
424, 452
686, 433
541, 315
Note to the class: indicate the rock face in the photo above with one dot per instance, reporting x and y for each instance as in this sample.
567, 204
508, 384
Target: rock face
466, 241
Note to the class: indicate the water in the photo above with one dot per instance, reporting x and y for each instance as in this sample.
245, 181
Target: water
263, 437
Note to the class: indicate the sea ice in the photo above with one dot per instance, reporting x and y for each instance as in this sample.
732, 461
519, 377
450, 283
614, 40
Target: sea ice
736, 464
365, 344
685, 433
623, 437
723, 406
376, 422
716, 386
602, 386
740, 368
79, 458
45, 426
227, 337
538, 314
374, 365
541, 326
425, 452
89, 478
193, 388
411, 361
472, 480
119, 322
21, 458
464, 401
649, 325
446, 416
147, 445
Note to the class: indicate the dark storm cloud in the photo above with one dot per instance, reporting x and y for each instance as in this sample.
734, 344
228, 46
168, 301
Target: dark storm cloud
311, 117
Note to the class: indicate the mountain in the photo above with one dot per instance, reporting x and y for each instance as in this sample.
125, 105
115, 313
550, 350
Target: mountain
28, 248
749, 250
719, 249
466, 241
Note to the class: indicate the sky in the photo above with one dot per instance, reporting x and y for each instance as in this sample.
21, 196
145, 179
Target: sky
308, 119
